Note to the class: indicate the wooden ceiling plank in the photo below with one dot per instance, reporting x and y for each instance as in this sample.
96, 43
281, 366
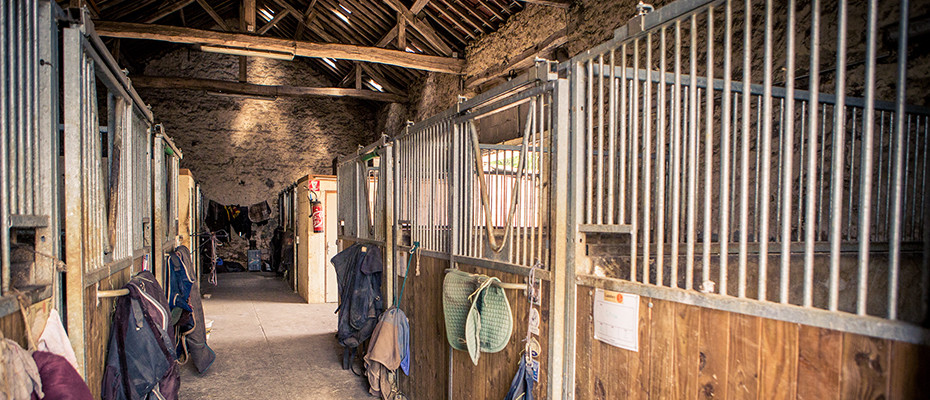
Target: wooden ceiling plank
359, 35
120, 11
216, 17
481, 19
445, 26
232, 87
370, 10
455, 21
358, 77
331, 24
378, 8
372, 25
167, 10
462, 15
421, 26
274, 21
128, 30
449, 11
503, 6
494, 12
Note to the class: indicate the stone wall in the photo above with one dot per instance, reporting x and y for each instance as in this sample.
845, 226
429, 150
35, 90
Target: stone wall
245, 150
591, 22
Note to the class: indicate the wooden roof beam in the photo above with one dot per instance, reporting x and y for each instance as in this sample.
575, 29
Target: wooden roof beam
421, 26
250, 89
174, 34
305, 20
551, 3
216, 17
418, 6
274, 21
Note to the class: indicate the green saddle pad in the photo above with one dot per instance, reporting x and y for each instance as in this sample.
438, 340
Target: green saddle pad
477, 313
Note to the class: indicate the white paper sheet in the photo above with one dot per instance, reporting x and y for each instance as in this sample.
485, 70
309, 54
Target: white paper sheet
616, 319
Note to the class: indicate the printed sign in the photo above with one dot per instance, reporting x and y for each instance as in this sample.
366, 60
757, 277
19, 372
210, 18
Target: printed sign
534, 321
616, 319
314, 185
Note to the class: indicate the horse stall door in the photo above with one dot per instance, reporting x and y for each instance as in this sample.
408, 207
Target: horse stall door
329, 213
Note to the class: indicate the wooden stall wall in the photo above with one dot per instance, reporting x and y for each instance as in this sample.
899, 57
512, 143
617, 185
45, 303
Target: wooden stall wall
13, 327
97, 321
693, 352
491, 378
302, 245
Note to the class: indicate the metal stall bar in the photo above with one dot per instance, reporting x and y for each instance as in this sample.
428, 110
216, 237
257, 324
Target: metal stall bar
899, 169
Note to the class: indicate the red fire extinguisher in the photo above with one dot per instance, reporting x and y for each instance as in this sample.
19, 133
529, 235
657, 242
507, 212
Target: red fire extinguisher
316, 213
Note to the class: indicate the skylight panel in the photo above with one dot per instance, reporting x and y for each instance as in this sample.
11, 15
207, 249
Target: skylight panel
375, 85
330, 62
266, 14
345, 10
341, 16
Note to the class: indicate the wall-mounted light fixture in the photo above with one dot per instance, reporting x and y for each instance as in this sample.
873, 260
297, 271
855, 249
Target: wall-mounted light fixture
236, 51
242, 95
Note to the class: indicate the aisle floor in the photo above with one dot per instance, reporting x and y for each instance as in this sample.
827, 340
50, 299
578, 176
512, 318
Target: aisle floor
269, 345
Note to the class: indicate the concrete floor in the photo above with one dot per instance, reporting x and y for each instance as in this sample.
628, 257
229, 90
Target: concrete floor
270, 345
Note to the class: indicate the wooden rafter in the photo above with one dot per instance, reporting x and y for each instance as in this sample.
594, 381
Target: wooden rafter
167, 10
231, 87
492, 10
381, 79
455, 21
421, 26
176, 34
467, 11
306, 18
216, 17
418, 6
274, 21
445, 25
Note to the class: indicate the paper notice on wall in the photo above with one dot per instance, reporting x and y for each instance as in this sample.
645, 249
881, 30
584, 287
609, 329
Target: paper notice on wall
616, 319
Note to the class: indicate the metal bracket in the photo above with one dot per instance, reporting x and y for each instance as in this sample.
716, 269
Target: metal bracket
545, 70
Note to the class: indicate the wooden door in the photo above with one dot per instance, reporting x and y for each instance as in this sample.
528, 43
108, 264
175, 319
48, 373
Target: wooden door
329, 214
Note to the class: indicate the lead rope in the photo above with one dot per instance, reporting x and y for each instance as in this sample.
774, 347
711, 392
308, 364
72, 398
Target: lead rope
400, 296
515, 191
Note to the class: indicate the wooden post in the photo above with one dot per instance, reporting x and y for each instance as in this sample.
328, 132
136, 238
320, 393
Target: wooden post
246, 24
401, 32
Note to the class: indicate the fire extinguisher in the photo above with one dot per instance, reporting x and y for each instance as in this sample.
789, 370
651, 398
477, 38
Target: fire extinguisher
316, 210
316, 213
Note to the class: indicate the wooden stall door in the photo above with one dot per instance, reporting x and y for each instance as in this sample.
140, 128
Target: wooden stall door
329, 211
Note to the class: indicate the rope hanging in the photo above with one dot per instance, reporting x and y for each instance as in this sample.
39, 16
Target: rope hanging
515, 191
